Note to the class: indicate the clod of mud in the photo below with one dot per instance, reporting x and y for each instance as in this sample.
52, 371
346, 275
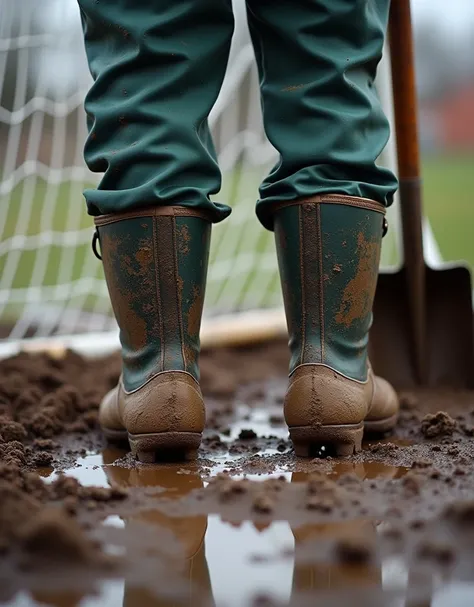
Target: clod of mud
45, 443
247, 434
42, 459
439, 424
383, 448
11, 431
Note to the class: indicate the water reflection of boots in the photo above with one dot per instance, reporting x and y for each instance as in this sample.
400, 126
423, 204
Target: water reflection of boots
323, 573
363, 470
189, 531
58, 599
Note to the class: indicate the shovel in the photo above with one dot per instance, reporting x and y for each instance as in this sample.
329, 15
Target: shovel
423, 319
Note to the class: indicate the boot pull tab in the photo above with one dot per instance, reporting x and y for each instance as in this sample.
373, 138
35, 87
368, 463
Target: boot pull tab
95, 241
385, 227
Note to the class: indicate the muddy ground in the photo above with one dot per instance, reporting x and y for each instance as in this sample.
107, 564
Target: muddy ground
248, 523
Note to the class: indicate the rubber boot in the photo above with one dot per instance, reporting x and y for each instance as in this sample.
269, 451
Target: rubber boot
155, 264
328, 253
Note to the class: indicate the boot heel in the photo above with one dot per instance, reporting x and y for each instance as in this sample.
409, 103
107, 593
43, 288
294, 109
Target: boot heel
165, 446
345, 439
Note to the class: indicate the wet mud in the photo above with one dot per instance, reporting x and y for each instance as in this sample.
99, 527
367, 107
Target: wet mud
248, 523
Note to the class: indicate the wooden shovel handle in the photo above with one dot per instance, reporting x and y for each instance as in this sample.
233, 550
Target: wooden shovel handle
404, 89
406, 127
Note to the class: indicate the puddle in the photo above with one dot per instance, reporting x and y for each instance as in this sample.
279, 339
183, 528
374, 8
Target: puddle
228, 564
258, 420
231, 564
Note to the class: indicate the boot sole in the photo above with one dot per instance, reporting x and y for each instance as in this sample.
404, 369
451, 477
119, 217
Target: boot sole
346, 439
115, 436
381, 426
149, 448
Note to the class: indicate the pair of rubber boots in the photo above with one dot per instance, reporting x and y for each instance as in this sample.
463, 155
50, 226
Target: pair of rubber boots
155, 263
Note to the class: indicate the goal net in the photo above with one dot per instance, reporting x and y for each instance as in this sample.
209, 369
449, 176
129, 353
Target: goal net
50, 282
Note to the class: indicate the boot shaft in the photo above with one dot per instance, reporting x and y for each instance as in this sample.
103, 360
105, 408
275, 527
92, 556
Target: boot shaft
155, 264
328, 253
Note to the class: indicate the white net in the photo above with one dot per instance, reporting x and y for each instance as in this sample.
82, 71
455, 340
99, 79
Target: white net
50, 282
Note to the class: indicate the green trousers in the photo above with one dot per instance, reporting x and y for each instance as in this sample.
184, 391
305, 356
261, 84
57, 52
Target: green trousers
158, 66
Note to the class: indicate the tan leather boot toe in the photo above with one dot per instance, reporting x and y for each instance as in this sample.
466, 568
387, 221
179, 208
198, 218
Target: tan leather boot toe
166, 414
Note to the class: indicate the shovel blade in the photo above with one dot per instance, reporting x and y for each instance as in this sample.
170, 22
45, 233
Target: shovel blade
450, 335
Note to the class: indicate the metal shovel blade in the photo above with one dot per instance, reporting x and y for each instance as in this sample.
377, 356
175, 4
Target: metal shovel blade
449, 333
423, 323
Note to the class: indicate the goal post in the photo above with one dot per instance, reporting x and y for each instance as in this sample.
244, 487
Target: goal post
51, 285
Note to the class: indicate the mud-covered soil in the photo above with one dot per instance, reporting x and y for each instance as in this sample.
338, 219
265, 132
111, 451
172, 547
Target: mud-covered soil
409, 496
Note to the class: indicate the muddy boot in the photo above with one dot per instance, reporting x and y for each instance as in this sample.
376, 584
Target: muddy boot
155, 264
328, 253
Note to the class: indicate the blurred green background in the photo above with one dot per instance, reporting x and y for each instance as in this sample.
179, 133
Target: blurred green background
448, 187
46, 265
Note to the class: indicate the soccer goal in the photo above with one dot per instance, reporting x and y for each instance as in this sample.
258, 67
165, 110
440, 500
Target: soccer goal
50, 282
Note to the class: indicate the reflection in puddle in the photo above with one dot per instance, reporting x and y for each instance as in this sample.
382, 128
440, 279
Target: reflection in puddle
237, 576
89, 470
454, 595
367, 470
229, 564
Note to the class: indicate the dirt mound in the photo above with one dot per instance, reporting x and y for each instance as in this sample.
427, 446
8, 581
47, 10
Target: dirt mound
38, 517
439, 424
42, 395
52, 536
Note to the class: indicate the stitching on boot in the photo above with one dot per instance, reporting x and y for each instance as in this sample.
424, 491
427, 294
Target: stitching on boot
175, 416
178, 290
312, 407
303, 290
321, 282
157, 291
160, 211
352, 201
374, 389
357, 381
162, 374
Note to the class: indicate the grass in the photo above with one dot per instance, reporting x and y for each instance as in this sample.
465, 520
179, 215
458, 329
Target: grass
448, 182
33, 208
